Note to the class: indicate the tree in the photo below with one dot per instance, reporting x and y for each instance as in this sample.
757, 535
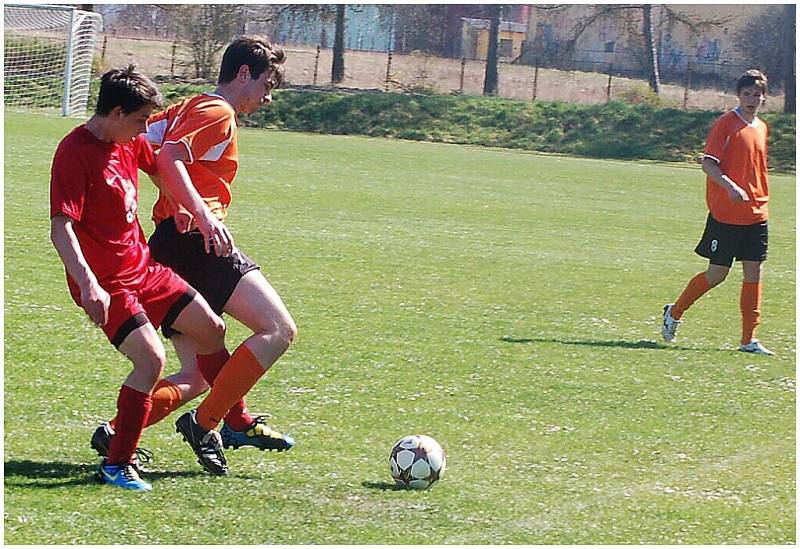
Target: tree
490, 79
654, 79
337, 68
205, 29
772, 52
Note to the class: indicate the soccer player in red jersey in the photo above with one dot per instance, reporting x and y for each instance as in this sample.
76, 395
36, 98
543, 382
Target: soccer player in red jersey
110, 273
737, 196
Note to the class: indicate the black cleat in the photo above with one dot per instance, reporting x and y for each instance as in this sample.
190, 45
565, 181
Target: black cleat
207, 445
101, 442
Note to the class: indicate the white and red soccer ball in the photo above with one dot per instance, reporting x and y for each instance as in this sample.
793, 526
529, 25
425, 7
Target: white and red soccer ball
417, 461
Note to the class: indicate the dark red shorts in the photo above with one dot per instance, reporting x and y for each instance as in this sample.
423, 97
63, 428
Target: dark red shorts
157, 297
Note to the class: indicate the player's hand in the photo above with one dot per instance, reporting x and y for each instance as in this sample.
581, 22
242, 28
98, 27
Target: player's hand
216, 235
184, 222
95, 301
737, 194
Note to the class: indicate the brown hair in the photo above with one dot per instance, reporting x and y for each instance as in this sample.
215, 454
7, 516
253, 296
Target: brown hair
753, 77
126, 88
258, 53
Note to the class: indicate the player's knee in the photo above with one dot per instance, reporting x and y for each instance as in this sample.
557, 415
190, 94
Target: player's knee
194, 387
151, 363
217, 330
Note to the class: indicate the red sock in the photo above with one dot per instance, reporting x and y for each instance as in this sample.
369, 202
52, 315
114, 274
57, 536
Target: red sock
166, 399
238, 418
697, 286
133, 407
750, 305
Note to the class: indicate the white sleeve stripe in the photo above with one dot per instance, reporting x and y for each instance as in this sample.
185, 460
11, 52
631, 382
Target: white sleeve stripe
185, 143
215, 153
714, 158
155, 132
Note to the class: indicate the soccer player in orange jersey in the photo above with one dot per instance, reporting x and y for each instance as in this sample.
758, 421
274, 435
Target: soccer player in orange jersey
197, 163
110, 272
735, 162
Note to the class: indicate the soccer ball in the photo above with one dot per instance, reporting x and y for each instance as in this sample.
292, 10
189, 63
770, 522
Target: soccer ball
417, 461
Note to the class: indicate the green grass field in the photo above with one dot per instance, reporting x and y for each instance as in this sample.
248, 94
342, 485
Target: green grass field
505, 303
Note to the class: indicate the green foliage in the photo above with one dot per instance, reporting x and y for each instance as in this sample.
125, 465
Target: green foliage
505, 303
641, 131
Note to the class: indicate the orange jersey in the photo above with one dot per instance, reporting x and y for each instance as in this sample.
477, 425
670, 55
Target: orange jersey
741, 151
206, 126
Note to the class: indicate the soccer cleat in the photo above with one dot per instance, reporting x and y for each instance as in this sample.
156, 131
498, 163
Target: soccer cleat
259, 434
755, 347
207, 445
124, 476
101, 442
669, 325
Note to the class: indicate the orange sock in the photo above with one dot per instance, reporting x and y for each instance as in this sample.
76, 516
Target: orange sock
697, 286
750, 305
236, 378
166, 399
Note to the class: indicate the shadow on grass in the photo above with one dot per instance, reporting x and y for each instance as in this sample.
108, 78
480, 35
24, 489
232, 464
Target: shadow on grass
394, 487
621, 343
57, 474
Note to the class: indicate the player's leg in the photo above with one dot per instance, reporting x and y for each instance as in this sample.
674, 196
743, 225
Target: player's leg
750, 306
718, 245
258, 306
145, 351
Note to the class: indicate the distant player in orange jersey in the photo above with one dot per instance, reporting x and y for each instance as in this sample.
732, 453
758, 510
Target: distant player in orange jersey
197, 163
94, 195
735, 162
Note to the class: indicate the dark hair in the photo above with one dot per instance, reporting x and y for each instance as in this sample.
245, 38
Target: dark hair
258, 53
753, 77
126, 88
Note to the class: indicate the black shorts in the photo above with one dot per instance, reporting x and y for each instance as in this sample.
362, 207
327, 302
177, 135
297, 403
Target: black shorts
721, 243
214, 277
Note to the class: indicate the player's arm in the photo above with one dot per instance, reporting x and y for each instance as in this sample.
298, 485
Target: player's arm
94, 298
184, 220
177, 184
714, 172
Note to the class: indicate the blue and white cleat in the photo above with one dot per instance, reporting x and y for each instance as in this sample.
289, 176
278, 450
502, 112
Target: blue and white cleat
259, 435
123, 476
755, 347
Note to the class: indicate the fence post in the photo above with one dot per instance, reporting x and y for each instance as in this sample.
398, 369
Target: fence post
461, 79
608, 87
535, 79
316, 66
105, 43
686, 85
172, 64
388, 71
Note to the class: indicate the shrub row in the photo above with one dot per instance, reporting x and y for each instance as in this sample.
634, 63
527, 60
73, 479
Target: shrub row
613, 130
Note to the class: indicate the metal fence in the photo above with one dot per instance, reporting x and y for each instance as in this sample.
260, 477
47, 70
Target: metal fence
579, 79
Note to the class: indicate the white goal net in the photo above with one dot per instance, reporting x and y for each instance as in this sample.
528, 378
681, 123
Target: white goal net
48, 53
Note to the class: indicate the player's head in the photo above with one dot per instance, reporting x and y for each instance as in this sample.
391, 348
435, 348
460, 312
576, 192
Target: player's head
126, 100
255, 67
751, 89
753, 77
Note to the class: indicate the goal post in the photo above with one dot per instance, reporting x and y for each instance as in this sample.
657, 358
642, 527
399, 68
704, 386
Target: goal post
48, 53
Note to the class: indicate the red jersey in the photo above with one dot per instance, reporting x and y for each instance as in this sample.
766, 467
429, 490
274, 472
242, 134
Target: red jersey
741, 151
206, 126
96, 184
